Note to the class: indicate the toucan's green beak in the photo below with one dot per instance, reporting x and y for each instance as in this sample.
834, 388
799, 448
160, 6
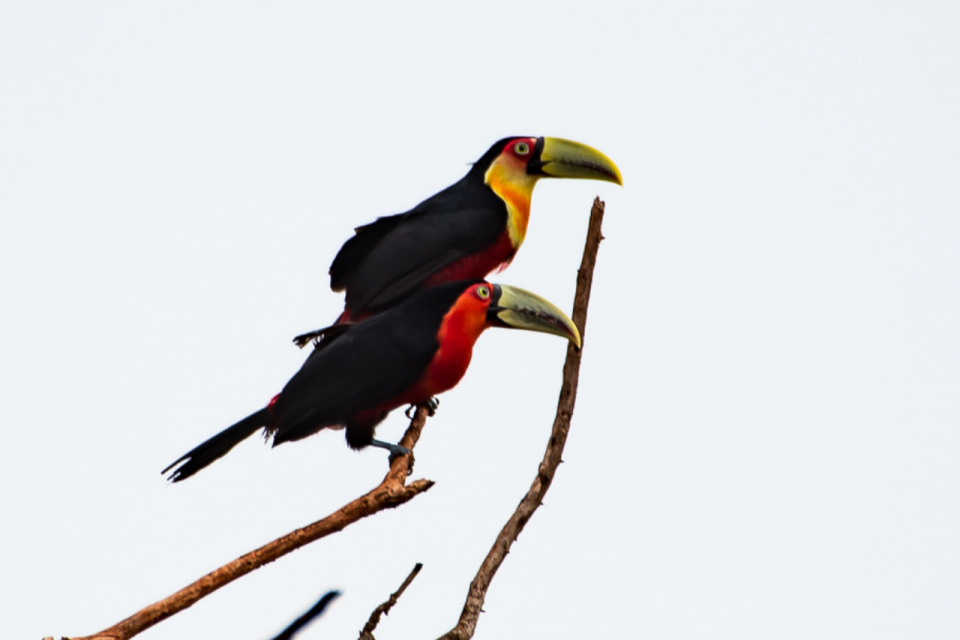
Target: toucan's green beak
559, 158
515, 308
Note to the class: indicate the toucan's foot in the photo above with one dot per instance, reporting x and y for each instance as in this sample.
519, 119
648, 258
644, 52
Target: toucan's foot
395, 452
394, 449
430, 404
410, 460
304, 339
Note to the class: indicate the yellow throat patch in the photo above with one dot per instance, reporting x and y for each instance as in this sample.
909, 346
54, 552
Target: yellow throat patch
508, 178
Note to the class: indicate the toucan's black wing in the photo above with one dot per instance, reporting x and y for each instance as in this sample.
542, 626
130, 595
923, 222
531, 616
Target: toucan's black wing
391, 258
354, 250
365, 367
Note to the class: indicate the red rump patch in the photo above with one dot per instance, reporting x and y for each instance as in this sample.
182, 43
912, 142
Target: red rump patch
272, 402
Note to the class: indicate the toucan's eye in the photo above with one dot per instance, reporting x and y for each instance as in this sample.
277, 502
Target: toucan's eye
483, 292
522, 148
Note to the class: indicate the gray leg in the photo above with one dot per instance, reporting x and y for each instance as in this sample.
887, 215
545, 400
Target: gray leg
394, 449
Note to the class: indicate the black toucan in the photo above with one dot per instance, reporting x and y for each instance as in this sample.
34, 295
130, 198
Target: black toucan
466, 231
363, 370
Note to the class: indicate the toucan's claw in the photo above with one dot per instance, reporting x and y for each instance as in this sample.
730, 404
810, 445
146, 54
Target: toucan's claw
410, 460
431, 405
304, 339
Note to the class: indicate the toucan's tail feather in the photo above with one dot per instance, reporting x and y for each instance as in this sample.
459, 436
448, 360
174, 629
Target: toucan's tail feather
217, 446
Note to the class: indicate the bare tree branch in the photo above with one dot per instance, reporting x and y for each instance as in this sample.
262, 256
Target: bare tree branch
551, 458
384, 609
391, 492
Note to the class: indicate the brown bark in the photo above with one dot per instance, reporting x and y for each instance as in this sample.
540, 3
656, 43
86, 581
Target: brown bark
384, 609
551, 458
391, 492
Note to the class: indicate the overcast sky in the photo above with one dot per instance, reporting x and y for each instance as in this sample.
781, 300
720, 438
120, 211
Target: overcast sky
767, 435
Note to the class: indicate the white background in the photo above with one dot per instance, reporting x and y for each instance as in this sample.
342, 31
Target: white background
766, 441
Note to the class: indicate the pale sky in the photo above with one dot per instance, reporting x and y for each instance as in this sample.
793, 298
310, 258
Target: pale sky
767, 435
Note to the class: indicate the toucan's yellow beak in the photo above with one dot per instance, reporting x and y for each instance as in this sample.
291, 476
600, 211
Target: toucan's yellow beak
559, 158
515, 308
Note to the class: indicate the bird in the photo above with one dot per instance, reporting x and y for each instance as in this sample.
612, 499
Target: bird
468, 230
363, 370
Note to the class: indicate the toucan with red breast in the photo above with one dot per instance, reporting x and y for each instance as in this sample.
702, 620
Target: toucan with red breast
406, 355
468, 230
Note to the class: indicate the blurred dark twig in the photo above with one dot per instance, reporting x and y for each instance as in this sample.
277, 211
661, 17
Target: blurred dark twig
314, 612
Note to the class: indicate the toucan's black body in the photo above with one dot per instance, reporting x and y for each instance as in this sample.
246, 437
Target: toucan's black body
348, 379
362, 366
397, 255
466, 231
361, 371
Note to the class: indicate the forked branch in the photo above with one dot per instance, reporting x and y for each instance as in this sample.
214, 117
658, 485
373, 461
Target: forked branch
558, 438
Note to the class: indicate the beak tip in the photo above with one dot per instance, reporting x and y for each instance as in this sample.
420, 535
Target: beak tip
525, 310
574, 336
615, 176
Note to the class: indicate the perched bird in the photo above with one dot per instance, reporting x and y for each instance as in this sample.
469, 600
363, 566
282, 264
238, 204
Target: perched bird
406, 355
466, 231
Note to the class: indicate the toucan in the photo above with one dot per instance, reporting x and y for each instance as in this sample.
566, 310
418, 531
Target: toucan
466, 231
406, 355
